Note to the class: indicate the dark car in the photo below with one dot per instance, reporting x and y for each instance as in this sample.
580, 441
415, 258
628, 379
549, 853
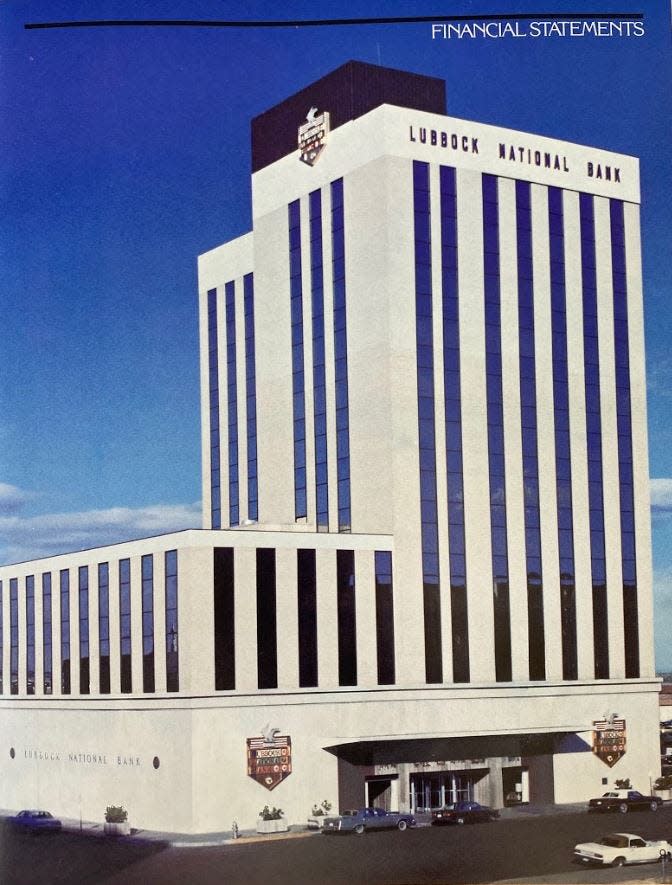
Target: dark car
463, 813
361, 820
33, 821
624, 801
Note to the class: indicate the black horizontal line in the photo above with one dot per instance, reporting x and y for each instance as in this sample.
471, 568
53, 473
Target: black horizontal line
411, 19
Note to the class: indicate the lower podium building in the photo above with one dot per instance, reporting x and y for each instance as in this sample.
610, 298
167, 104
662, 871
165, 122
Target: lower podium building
424, 571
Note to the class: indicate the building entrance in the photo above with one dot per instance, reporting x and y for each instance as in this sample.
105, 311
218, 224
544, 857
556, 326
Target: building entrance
438, 789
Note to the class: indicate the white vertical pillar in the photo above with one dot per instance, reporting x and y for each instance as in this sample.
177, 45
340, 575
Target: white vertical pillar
640, 457
475, 427
608, 415
548, 497
245, 618
327, 619
578, 440
513, 446
160, 621
365, 618
287, 622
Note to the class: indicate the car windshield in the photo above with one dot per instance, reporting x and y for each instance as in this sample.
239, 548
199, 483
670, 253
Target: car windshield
350, 813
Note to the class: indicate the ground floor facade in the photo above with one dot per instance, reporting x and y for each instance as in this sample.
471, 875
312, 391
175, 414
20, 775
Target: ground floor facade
197, 764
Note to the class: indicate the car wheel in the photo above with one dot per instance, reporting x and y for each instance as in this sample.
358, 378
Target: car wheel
402, 825
623, 808
459, 820
654, 806
359, 829
618, 862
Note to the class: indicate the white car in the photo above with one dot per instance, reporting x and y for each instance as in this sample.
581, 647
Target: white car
617, 849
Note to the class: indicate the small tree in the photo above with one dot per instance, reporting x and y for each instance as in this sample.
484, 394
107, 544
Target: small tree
267, 813
323, 808
663, 783
116, 814
623, 784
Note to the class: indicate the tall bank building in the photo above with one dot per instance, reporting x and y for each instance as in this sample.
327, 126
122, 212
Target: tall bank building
424, 571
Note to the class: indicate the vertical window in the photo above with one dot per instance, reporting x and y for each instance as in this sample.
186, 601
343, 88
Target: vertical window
225, 658
104, 626
14, 635
2, 643
172, 657
563, 467
495, 414
30, 634
298, 380
341, 356
426, 428
232, 402
125, 625
84, 667
529, 427
213, 388
319, 377
591, 357
147, 566
47, 640
307, 605
65, 630
267, 647
251, 398
384, 618
624, 422
347, 628
453, 409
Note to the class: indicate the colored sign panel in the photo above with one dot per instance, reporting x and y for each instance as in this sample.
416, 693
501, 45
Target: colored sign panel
312, 136
269, 761
609, 740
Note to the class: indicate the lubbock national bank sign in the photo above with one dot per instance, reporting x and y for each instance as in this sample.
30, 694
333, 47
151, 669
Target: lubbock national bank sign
518, 155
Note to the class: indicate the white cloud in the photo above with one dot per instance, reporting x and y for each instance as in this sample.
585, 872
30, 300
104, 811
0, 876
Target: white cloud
12, 498
661, 495
24, 538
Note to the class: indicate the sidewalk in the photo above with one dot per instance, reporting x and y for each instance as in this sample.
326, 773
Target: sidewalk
296, 831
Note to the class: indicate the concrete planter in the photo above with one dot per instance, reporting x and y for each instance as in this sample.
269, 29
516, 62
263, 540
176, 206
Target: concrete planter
666, 795
272, 826
118, 829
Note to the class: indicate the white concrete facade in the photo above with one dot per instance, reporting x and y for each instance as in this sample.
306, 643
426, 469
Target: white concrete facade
332, 651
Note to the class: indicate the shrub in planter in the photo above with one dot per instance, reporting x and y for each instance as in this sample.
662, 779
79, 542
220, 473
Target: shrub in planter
318, 812
116, 814
271, 820
116, 821
663, 783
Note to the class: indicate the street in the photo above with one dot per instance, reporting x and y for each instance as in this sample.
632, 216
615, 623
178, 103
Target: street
537, 848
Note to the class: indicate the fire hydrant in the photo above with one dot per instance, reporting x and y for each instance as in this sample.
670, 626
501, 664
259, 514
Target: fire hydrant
234, 829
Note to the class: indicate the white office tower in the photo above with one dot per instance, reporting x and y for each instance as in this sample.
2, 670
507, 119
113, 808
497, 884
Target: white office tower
424, 572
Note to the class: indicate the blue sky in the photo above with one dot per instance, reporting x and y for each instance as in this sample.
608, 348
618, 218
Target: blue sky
125, 154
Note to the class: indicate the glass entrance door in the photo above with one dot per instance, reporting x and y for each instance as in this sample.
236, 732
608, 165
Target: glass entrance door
430, 791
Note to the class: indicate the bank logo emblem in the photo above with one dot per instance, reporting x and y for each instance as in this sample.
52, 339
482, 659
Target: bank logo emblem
312, 136
609, 738
269, 758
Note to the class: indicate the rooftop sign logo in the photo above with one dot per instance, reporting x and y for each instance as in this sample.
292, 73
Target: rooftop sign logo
312, 136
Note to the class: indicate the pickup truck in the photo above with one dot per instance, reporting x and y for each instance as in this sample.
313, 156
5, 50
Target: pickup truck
361, 820
624, 801
617, 849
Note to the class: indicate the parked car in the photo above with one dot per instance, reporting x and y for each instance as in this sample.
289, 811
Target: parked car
463, 813
32, 821
617, 849
625, 800
361, 820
